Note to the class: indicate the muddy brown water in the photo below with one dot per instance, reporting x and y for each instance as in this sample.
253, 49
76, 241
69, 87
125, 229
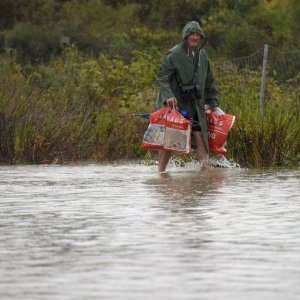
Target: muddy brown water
123, 231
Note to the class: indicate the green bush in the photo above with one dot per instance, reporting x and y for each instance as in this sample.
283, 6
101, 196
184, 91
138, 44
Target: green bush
80, 108
32, 43
255, 140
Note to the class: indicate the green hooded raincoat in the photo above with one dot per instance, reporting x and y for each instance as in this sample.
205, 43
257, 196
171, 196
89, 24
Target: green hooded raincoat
178, 68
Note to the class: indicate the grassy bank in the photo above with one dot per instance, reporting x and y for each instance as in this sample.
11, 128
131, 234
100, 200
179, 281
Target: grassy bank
259, 141
80, 108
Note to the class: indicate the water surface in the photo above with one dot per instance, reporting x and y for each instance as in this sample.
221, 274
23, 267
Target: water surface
127, 232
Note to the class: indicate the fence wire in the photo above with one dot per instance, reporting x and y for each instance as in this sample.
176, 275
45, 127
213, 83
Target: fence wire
283, 67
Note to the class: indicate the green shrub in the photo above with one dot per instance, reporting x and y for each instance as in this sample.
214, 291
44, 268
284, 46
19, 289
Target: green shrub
80, 108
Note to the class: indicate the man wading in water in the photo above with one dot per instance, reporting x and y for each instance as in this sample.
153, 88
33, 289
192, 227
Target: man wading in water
186, 80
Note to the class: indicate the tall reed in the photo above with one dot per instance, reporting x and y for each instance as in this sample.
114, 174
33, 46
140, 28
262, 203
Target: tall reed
79, 108
256, 140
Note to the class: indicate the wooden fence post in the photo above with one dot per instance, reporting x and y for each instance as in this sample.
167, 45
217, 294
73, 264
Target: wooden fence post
263, 80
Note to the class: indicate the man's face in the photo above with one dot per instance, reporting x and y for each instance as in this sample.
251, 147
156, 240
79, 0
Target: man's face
193, 40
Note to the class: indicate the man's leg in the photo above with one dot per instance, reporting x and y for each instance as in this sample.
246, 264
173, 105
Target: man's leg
163, 159
201, 149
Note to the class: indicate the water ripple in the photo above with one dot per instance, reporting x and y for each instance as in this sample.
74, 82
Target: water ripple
127, 232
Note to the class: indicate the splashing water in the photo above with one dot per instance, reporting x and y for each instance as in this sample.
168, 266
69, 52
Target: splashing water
176, 163
221, 161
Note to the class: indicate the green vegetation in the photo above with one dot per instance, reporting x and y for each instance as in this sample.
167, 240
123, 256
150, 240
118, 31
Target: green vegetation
72, 73
256, 141
74, 108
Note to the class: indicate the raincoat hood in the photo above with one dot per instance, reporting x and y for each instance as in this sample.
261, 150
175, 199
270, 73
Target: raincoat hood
193, 26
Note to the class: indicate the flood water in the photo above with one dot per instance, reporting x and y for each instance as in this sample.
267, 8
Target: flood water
123, 231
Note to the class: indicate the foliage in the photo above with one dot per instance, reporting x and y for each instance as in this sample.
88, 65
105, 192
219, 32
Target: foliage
255, 140
233, 28
72, 73
74, 108
32, 44
79, 108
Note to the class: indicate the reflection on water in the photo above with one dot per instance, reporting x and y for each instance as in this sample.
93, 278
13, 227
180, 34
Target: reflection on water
191, 183
127, 232
187, 190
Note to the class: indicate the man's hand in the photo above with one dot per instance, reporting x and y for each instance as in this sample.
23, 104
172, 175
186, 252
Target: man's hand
172, 102
212, 103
